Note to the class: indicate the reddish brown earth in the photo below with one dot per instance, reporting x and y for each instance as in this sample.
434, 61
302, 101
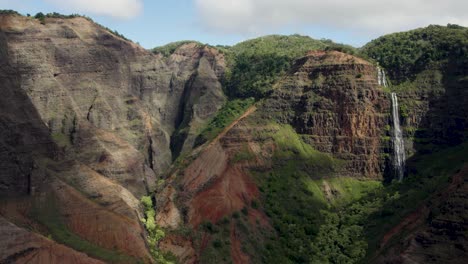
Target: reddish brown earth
238, 257
87, 117
88, 220
180, 247
21, 246
229, 193
334, 102
219, 188
100, 226
214, 185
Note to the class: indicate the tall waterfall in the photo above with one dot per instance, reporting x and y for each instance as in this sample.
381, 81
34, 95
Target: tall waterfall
381, 78
398, 143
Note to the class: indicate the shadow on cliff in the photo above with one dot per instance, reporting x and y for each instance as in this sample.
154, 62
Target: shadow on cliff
23, 134
446, 121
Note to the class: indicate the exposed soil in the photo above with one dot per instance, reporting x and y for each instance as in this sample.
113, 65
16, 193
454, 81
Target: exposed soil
227, 194
238, 257
21, 246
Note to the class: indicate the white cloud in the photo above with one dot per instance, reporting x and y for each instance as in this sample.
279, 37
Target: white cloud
365, 16
115, 8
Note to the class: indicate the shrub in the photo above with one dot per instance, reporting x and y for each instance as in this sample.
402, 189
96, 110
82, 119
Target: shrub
155, 233
8, 12
41, 17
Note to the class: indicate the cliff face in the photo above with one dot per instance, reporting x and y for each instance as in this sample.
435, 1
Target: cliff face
87, 113
83, 80
333, 101
90, 122
433, 108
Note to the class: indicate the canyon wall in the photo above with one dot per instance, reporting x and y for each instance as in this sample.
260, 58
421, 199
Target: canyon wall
87, 120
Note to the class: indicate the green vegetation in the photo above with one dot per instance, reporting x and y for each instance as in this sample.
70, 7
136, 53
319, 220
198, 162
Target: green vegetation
339, 240
155, 233
407, 53
225, 116
290, 147
41, 17
352, 232
341, 219
243, 155
219, 249
342, 48
255, 65
428, 174
58, 15
170, 48
61, 139
294, 193
9, 12
47, 213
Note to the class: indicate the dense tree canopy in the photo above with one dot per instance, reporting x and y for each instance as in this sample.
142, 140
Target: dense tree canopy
405, 54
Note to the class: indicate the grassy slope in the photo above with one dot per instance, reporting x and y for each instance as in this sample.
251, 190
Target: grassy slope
294, 198
225, 116
428, 174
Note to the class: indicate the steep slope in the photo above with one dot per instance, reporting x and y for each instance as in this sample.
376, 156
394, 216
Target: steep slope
332, 100
427, 67
21, 246
434, 233
87, 120
91, 122
226, 190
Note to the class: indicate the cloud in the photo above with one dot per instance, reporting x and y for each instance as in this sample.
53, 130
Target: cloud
363, 16
125, 9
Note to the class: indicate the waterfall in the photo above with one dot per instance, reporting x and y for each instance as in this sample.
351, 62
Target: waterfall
381, 78
398, 143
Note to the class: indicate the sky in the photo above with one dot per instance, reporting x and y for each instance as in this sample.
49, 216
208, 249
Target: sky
154, 23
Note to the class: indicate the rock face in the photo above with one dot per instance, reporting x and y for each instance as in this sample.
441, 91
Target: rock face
434, 109
23, 134
88, 86
89, 114
89, 122
333, 100
437, 232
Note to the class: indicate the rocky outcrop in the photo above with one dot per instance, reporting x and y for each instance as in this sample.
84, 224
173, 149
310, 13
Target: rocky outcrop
330, 98
334, 102
85, 81
89, 117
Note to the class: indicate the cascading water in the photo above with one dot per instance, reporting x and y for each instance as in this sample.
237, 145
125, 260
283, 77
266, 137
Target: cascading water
381, 78
398, 143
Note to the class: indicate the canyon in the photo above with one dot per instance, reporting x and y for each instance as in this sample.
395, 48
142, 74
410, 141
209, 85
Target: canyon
92, 122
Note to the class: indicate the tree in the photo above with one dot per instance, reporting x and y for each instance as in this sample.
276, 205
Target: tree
41, 17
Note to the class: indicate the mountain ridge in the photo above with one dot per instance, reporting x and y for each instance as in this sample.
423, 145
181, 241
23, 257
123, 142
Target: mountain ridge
93, 122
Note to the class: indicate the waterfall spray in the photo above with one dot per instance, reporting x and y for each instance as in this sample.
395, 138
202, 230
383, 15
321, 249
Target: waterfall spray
398, 143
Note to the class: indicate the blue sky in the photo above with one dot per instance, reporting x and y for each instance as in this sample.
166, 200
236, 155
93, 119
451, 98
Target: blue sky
155, 22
